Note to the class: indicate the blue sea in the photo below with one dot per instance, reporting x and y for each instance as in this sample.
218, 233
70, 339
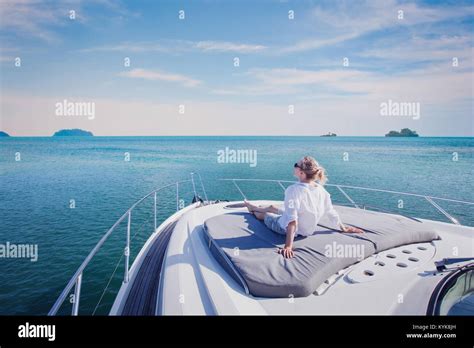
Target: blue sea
64, 193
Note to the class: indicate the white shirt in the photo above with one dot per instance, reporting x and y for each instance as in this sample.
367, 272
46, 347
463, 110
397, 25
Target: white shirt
307, 204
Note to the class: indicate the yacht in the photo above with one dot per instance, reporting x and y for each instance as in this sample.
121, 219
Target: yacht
212, 257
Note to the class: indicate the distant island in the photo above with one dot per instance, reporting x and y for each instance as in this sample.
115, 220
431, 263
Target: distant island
405, 132
72, 133
3, 134
329, 135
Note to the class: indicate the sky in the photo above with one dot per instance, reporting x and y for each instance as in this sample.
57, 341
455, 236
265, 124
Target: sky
169, 67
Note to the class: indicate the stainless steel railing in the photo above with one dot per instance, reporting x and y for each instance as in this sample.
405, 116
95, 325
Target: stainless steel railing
76, 280
430, 199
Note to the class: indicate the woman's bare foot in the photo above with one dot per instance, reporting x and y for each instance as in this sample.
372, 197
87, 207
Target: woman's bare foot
251, 208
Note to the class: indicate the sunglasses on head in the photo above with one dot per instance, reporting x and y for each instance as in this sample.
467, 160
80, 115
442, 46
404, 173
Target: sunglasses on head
297, 166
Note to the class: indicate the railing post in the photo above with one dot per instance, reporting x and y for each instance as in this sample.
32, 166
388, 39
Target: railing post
442, 211
127, 248
203, 189
281, 185
347, 196
194, 185
77, 295
177, 196
238, 188
155, 213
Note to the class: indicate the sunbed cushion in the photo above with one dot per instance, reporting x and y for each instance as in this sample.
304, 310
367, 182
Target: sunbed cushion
247, 249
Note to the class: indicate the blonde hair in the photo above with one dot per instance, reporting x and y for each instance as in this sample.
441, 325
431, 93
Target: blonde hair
312, 169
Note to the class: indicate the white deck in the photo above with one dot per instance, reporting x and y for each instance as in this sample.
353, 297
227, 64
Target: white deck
194, 283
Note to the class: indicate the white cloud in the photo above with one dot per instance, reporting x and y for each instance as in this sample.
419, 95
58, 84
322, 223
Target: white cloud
41, 19
6, 59
161, 76
31, 18
422, 49
347, 20
220, 46
312, 44
179, 46
434, 84
283, 81
134, 47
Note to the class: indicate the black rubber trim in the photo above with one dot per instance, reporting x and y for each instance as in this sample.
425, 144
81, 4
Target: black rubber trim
443, 286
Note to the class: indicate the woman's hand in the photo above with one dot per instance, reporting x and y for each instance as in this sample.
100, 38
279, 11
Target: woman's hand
351, 229
287, 252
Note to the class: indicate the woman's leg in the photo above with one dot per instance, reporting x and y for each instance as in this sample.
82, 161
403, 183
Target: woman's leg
272, 221
255, 209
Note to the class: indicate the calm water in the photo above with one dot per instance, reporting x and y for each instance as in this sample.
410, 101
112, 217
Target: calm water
36, 193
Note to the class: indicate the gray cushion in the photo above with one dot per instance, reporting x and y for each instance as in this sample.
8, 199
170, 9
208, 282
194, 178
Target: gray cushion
384, 230
247, 249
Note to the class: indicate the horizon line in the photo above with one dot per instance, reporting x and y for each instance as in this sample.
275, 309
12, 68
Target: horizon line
258, 135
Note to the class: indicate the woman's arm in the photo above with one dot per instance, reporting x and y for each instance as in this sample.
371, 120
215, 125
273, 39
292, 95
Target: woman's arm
336, 220
287, 251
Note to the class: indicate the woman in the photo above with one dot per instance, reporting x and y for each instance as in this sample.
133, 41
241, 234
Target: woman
306, 202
